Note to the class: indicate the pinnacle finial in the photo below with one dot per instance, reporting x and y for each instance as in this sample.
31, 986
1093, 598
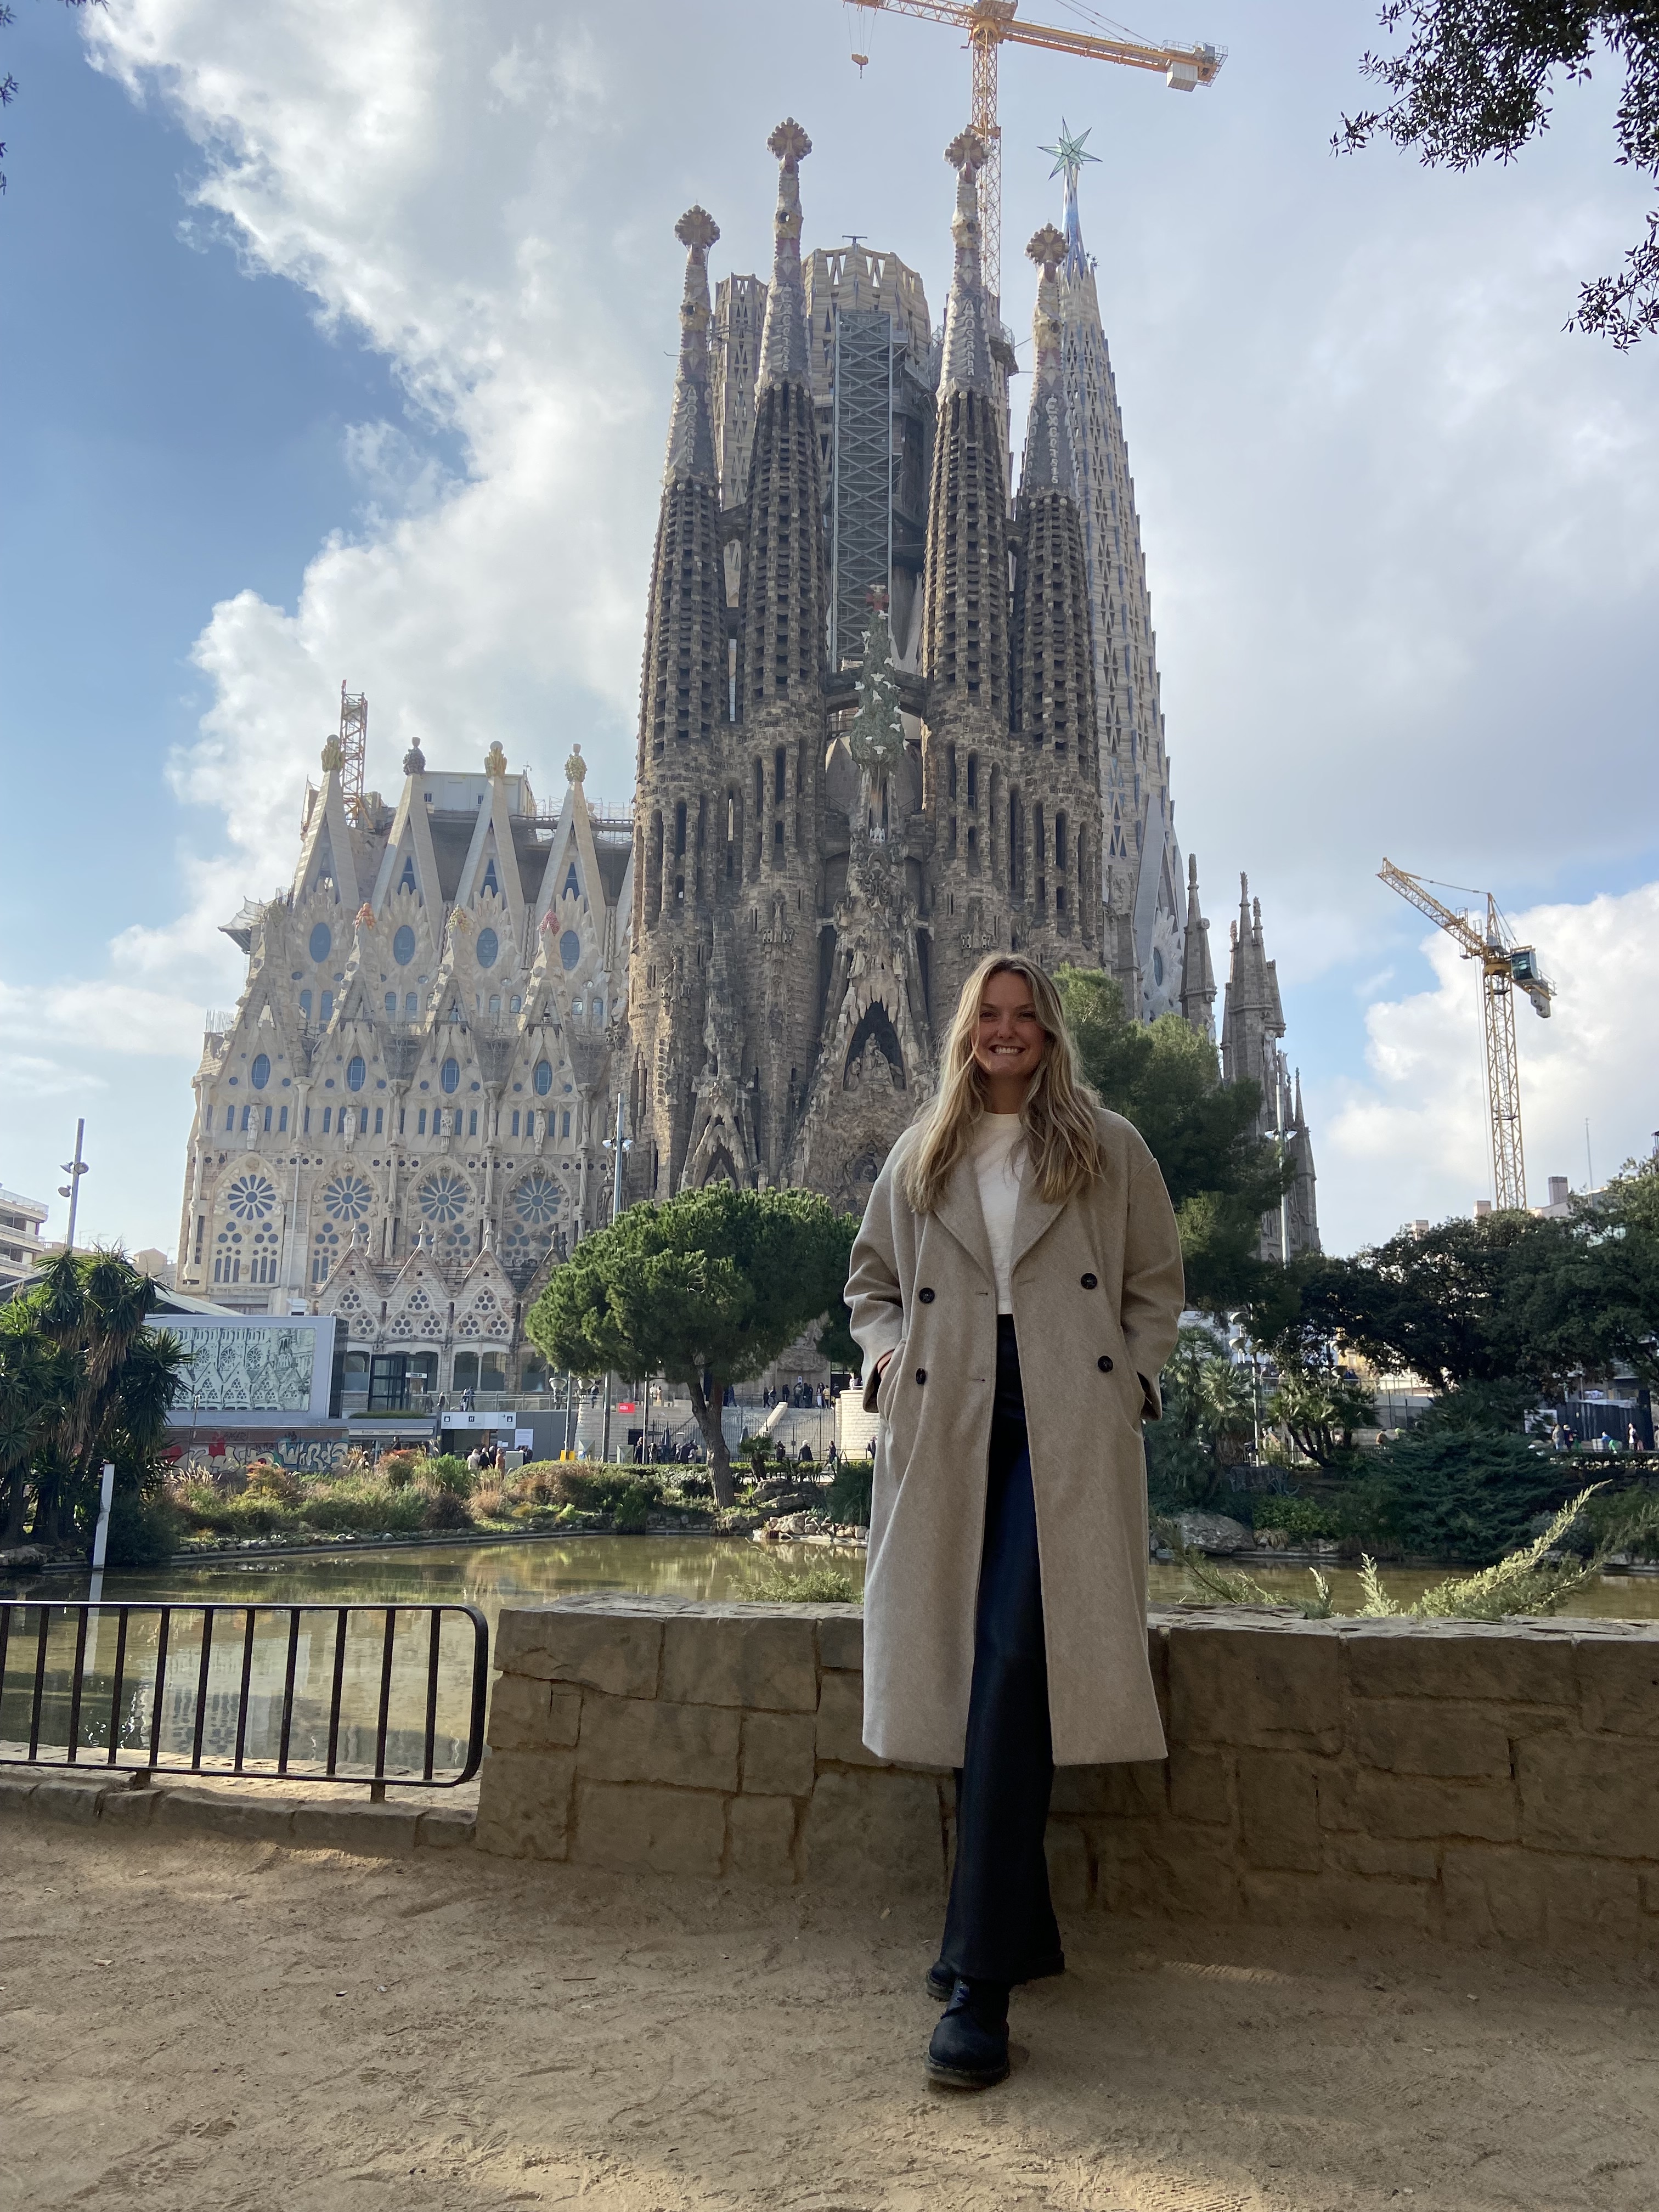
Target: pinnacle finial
696, 226
1047, 248
789, 143
966, 150
495, 762
783, 336
333, 756
575, 768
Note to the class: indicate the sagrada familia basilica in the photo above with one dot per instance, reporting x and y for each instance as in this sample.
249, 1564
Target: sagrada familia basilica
893, 715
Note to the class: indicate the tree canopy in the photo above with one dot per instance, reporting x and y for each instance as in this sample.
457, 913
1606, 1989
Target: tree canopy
1476, 77
1508, 1298
83, 1378
707, 1288
1222, 1176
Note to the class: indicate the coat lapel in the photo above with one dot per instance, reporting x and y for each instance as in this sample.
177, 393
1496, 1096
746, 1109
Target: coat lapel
1032, 1220
959, 1211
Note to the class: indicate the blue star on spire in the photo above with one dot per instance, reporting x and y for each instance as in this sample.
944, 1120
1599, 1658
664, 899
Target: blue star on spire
1069, 154
1069, 157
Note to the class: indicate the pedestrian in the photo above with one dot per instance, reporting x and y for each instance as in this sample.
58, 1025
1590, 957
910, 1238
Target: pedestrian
1016, 1288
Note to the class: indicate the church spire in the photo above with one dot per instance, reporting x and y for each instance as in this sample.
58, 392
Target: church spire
782, 594
967, 364
965, 624
684, 681
691, 427
783, 339
1048, 465
1197, 972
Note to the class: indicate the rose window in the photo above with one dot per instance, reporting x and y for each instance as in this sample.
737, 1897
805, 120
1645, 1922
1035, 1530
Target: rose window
347, 1198
251, 1198
444, 1197
538, 1199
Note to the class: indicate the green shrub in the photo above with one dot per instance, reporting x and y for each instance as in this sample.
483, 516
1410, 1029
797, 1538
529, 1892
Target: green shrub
205, 1508
273, 1485
399, 1469
448, 1471
1462, 1486
848, 1500
600, 1490
445, 1509
627, 1514
812, 1586
144, 1532
1304, 1517
364, 1507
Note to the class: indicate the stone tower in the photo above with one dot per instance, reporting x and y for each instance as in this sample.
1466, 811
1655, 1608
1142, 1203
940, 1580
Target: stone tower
1143, 886
1053, 818
681, 767
966, 746
1253, 1023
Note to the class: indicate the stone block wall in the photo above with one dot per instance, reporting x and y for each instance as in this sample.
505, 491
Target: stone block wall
1448, 1776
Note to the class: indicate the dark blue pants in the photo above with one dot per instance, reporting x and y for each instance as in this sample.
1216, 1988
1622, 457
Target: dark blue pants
999, 1925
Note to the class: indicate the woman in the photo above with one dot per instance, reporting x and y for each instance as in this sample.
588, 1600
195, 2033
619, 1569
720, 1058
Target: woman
1016, 1288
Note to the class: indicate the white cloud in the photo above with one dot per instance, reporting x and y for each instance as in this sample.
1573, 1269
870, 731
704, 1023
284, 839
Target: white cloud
1416, 1130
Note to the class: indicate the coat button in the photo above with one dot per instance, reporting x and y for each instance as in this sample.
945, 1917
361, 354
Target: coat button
1090, 1282
1104, 1363
927, 1296
921, 1374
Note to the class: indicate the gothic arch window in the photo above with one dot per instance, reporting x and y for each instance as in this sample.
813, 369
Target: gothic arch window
721, 1168
449, 1075
259, 1074
356, 1072
406, 883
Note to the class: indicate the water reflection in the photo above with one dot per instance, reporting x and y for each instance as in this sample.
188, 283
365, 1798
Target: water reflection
513, 1573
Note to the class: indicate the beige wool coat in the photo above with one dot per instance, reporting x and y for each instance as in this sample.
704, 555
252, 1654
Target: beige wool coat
1097, 1294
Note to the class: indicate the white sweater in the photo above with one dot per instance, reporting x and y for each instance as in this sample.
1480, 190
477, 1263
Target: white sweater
999, 1163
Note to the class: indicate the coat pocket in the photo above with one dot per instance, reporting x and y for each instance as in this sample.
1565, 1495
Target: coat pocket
888, 1386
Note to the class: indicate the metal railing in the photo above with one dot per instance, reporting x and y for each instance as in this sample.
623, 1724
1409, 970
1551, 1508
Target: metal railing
324, 1693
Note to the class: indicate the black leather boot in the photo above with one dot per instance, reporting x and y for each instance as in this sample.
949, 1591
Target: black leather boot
970, 2047
941, 1982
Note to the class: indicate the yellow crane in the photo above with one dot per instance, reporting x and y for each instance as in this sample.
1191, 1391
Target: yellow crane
1505, 967
991, 24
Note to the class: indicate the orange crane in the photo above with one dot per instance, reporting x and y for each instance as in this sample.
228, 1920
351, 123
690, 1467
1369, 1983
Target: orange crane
993, 23
1505, 967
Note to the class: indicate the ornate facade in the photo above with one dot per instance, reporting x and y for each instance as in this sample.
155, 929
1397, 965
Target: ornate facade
893, 716
403, 1122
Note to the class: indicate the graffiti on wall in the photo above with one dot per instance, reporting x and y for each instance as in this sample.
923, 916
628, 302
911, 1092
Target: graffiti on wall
300, 1455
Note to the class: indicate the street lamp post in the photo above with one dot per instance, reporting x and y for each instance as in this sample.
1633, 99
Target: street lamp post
617, 1145
74, 1170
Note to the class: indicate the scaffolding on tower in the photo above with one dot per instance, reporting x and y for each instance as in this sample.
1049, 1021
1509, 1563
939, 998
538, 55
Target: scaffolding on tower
354, 748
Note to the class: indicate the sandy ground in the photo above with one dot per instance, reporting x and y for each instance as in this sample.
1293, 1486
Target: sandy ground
191, 2023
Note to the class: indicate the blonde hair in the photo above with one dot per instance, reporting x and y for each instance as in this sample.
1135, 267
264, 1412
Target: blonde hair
1062, 1137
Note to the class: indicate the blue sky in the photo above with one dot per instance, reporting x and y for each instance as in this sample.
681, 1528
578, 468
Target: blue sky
338, 345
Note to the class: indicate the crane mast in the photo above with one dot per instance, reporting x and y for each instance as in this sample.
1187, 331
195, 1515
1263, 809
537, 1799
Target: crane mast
990, 24
1505, 967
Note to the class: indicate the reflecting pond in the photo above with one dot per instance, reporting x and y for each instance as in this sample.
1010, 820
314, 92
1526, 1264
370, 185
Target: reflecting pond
535, 1572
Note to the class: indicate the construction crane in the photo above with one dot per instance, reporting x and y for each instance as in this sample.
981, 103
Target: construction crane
993, 23
1505, 967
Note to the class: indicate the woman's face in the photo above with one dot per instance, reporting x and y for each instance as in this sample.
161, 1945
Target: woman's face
1010, 1041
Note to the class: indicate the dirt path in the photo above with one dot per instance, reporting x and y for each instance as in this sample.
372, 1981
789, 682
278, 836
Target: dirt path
187, 2023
